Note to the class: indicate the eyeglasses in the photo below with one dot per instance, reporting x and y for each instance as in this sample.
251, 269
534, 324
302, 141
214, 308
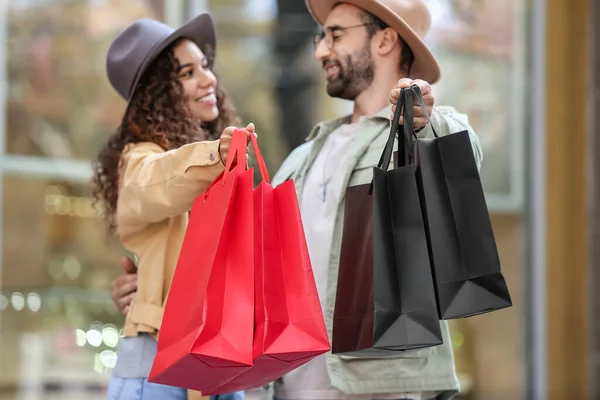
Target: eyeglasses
328, 33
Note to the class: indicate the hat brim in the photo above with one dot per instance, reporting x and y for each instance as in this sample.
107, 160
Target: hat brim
199, 30
425, 65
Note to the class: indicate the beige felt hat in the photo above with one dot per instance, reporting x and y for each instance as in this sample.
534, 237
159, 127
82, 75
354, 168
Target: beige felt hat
410, 18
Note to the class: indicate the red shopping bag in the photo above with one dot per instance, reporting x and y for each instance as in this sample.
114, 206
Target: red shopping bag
205, 338
289, 325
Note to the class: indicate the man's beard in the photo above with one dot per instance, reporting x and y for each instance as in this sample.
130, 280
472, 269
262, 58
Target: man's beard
355, 76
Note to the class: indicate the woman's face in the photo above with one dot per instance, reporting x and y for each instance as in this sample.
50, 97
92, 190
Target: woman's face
199, 83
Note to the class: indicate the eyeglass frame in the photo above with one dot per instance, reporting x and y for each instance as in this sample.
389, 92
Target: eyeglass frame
319, 36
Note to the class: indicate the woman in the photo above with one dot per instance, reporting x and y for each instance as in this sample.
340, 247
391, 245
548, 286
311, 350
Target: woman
172, 143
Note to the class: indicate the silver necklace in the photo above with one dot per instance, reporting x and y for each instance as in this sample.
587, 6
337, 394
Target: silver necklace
325, 182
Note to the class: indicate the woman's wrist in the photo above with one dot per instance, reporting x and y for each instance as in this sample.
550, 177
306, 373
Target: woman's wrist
220, 154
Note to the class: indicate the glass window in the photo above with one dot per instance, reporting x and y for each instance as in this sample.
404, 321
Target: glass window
484, 42
60, 103
481, 46
58, 326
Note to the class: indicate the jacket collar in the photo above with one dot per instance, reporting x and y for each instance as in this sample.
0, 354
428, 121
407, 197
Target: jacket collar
326, 127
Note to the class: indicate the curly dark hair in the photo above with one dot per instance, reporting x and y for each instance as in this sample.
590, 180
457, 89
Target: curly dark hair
157, 113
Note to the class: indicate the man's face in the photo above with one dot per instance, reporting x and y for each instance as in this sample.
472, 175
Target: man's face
345, 52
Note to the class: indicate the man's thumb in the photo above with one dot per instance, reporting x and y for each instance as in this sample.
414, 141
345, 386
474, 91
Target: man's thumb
128, 265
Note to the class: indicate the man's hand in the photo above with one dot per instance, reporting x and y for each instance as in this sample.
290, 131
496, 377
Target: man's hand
420, 119
125, 286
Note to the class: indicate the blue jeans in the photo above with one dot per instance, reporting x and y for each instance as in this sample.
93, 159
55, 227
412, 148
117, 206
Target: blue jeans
276, 398
141, 389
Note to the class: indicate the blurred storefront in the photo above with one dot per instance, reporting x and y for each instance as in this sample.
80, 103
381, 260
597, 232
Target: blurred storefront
501, 62
58, 327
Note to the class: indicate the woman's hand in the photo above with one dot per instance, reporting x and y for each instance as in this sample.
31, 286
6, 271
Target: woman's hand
225, 141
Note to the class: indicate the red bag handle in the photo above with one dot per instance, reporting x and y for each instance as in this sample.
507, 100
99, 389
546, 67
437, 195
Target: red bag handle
264, 173
237, 150
239, 143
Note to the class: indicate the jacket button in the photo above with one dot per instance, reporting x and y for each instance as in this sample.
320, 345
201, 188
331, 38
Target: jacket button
212, 157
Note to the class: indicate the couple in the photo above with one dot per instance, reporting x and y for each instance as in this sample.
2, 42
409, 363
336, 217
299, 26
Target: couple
174, 140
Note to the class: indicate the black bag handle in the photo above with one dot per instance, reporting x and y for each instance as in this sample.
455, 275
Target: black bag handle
419, 96
409, 127
386, 155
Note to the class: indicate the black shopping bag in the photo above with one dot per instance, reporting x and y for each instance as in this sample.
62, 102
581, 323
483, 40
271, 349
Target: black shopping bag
385, 300
461, 241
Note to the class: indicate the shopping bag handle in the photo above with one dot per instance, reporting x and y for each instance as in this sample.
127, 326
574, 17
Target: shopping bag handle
409, 128
237, 151
419, 96
405, 103
389, 146
262, 166
264, 173
234, 152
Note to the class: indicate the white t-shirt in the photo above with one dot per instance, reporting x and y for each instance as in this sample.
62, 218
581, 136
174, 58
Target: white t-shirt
318, 207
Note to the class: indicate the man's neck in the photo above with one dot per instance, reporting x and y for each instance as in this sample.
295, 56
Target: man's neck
375, 98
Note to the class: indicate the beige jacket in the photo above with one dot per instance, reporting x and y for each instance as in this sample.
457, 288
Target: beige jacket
156, 191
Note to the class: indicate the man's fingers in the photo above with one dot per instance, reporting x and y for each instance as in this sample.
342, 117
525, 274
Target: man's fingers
128, 265
420, 122
404, 83
400, 122
418, 112
123, 279
125, 303
395, 93
425, 87
124, 286
428, 100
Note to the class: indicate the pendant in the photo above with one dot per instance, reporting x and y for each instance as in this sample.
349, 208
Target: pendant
324, 184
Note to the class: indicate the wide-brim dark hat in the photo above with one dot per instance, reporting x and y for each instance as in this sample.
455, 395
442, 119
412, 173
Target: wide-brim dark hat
140, 43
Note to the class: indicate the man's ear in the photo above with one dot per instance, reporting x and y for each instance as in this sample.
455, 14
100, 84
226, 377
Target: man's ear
386, 40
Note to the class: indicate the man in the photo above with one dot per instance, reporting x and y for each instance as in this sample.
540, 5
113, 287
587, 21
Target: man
366, 47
